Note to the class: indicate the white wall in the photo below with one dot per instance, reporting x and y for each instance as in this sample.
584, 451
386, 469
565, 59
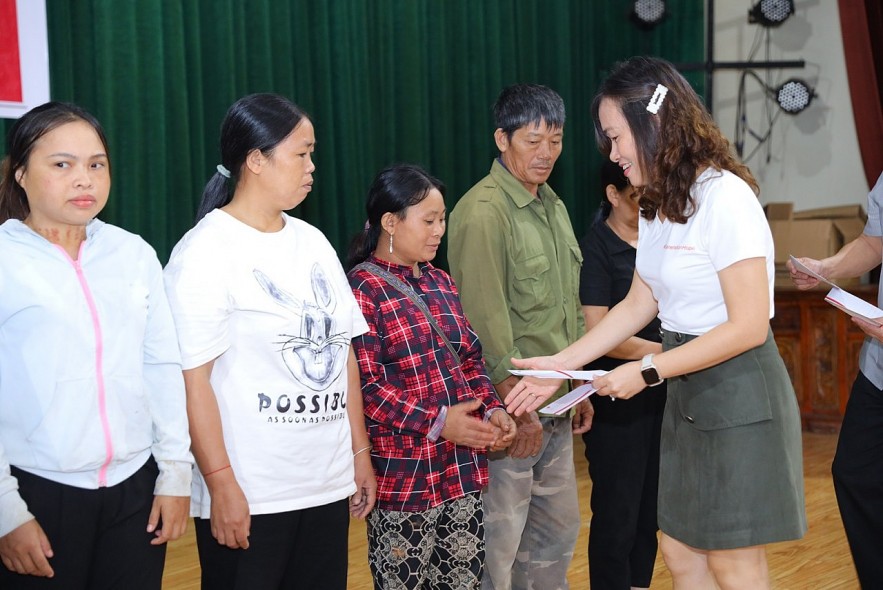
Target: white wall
815, 158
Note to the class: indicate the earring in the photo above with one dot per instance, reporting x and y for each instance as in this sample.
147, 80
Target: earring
390, 243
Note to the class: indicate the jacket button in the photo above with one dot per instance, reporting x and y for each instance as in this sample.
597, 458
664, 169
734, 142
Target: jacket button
689, 419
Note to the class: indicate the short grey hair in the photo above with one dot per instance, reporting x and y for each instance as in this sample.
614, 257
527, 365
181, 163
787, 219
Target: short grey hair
520, 105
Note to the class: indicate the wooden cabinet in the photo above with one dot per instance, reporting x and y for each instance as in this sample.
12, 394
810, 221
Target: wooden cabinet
820, 346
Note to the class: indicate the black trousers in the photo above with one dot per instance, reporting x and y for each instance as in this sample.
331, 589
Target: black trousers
858, 480
622, 449
99, 537
298, 550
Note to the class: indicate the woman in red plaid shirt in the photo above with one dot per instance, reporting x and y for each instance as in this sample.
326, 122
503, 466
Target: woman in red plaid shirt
431, 409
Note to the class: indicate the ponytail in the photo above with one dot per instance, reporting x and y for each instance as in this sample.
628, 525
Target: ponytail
362, 245
216, 194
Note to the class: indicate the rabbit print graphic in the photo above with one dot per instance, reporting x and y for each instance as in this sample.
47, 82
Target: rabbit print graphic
315, 353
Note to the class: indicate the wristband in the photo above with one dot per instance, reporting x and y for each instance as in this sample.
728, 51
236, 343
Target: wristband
227, 466
438, 425
490, 412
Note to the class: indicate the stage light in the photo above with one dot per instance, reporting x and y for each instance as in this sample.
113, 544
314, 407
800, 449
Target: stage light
648, 12
794, 96
771, 13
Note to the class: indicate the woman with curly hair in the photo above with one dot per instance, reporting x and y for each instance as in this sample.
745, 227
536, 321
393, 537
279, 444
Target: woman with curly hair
731, 477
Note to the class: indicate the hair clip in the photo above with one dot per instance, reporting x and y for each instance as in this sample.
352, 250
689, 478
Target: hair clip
657, 99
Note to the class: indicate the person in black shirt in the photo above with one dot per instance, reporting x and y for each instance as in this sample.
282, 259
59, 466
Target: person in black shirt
623, 445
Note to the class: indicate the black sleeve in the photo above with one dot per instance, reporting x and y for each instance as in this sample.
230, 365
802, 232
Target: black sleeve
595, 278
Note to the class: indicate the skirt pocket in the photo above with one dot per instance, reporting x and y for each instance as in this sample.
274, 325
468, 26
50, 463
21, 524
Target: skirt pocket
733, 393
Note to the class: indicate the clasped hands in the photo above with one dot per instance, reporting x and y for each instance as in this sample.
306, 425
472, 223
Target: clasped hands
463, 428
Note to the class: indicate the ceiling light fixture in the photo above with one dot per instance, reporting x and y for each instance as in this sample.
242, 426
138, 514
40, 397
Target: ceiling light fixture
794, 96
770, 13
648, 13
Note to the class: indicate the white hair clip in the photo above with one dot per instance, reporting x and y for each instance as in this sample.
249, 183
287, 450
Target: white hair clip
657, 99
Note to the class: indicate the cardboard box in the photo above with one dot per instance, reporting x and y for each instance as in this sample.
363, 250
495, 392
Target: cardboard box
839, 212
777, 211
813, 233
812, 238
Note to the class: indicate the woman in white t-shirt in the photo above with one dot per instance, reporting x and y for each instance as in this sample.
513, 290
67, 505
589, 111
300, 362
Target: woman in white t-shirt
265, 316
731, 476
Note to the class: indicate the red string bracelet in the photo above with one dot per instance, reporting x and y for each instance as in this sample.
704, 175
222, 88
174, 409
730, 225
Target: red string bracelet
227, 466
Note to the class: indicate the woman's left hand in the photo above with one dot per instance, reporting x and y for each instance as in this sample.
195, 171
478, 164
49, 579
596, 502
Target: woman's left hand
362, 502
623, 382
172, 512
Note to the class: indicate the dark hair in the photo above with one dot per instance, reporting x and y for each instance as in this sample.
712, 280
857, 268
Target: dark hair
394, 190
670, 160
20, 142
254, 122
520, 105
610, 173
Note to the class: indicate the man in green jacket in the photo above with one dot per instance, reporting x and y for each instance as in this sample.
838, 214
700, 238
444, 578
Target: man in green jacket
516, 262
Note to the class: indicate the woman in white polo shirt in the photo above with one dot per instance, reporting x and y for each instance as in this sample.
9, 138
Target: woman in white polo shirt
731, 477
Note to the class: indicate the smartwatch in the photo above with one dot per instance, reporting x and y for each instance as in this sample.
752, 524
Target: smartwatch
649, 372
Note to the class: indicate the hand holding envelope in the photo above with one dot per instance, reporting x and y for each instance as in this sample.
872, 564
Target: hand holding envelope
800, 267
854, 306
569, 400
843, 300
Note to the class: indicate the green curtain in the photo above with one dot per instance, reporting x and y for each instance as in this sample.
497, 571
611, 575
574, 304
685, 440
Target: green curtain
383, 80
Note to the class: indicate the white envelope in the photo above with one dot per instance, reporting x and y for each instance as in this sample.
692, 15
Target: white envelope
568, 400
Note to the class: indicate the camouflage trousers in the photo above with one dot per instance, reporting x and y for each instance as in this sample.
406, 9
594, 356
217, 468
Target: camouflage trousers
531, 515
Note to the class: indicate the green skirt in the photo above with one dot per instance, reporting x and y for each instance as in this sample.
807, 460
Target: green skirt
731, 457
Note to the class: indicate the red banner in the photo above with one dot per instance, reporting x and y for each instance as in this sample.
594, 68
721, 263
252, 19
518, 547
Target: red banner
10, 62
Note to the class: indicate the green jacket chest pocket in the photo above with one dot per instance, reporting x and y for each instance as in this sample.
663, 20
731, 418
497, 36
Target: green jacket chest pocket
532, 288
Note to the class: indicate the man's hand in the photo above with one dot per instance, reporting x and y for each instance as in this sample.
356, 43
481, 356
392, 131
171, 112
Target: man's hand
172, 512
26, 549
582, 417
871, 329
529, 438
802, 280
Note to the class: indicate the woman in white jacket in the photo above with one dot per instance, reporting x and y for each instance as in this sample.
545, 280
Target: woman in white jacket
95, 464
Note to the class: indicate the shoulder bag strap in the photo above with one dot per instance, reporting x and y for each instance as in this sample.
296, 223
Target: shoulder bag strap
409, 292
